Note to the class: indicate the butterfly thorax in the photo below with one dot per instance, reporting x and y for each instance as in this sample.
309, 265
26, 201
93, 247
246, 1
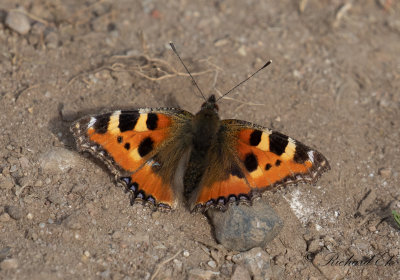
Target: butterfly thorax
205, 125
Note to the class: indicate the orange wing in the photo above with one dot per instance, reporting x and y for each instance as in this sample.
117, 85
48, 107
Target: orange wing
131, 142
259, 159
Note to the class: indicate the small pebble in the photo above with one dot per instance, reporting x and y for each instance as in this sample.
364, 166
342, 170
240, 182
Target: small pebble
221, 42
212, 264
385, 172
186, 253
18, 22
178, 265
372, 228
51, 40
24, 162
9, 264
59, 160
87, 253
197, 273
15, 212
242, 51
6, 183
42, 225
13, 168
29, 216
4, 217
38, 183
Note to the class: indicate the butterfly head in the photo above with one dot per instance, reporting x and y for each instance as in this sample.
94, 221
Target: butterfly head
210, 104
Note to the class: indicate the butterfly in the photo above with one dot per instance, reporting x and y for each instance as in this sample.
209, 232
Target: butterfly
168, 156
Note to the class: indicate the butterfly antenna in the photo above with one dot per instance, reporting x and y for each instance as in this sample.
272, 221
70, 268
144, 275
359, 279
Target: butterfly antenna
245, 80
187, 70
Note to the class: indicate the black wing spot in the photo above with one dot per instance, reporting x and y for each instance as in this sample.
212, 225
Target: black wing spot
268, 166
145, 147
235, 171
119, 139
300, 156
152, 120
255, 137
250, 162
127, 146
128, 120
277, 162
101, 123
278, 143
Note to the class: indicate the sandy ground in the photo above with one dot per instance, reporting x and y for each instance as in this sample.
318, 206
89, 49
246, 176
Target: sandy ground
334, 85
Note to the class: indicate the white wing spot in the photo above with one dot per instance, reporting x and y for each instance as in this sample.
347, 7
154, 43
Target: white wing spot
311, 155
91, 122
116, 113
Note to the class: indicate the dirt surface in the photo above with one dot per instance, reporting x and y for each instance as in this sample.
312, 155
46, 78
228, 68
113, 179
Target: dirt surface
334, 85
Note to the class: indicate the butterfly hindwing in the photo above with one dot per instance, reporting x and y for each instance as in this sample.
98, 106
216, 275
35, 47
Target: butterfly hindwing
259, 159
134, 145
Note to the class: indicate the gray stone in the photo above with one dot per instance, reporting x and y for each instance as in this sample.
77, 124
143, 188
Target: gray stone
256, 261
15, 212
59, 160
18, 22
241, 273
51, 40
243, 227
4, 253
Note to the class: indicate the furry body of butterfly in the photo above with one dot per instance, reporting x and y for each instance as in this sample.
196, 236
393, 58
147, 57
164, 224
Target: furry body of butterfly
166, 156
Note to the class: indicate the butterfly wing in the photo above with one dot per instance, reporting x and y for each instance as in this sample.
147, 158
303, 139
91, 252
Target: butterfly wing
141, 147
256, 159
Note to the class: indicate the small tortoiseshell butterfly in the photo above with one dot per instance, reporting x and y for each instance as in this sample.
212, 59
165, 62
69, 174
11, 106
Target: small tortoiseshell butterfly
166, 155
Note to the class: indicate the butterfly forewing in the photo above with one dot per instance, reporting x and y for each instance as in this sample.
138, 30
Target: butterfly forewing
261, 159
133, 145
